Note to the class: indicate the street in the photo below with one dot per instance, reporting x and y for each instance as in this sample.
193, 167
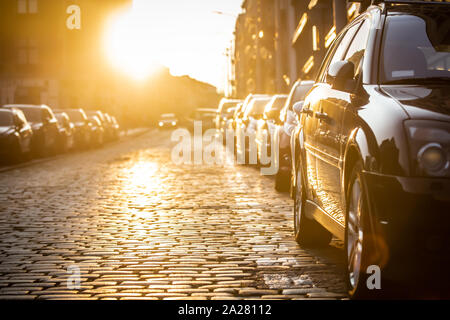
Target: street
137, 226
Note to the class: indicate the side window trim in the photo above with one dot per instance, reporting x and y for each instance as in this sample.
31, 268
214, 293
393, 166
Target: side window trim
332, 51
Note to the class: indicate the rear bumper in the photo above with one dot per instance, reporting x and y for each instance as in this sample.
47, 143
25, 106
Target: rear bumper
411, 219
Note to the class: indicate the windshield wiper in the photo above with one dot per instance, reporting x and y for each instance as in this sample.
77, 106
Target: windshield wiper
430, 80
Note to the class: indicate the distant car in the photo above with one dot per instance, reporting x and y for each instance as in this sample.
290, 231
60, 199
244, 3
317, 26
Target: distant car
66, 132
222, 109
15, 135
246, 127
82, 127
104, 121
167, 120
44, 125
116, 128
205, 115
97, 131
266, 128
226, 118
284, 128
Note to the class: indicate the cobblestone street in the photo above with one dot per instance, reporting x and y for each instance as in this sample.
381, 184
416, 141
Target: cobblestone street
140, 227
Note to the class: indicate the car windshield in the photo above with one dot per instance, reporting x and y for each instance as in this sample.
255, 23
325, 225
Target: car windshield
416, 49
33, 115
6, 119
76, 116
257, 107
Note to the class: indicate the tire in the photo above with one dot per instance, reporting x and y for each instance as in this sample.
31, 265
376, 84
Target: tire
307, 232
357, 237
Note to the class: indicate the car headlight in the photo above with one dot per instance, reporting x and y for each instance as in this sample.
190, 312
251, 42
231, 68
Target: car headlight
161, 124
174, 123
429, 146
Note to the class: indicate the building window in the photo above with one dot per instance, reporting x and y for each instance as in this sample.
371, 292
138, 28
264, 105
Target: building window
27, 52
27, 6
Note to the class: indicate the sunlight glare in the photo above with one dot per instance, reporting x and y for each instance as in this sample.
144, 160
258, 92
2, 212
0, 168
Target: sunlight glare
129, 48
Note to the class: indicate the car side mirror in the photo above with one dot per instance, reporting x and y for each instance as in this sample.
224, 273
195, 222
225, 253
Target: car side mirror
298, 107
340, 75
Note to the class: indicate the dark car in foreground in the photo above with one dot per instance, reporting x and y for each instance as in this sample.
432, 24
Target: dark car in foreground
97, 131
44, 125
15, 136
373, 160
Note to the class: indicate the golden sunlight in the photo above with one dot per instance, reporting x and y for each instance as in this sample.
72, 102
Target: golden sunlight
128, 47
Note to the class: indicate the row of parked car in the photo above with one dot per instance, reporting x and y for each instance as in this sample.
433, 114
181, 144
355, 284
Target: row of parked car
30, 131
365, 148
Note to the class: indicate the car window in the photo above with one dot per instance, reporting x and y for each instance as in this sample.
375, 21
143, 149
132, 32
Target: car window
355, 52
416, 48
338, 50
6, 119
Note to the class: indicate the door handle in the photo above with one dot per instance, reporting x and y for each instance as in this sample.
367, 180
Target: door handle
308, 112
322, 116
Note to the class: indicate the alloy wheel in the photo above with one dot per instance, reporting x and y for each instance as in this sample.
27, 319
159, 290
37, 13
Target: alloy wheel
355, 234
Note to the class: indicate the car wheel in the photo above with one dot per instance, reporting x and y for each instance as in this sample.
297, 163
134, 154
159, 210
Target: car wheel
308, 232
357, 235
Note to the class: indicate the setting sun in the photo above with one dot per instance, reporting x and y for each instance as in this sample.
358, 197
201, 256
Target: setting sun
128, 47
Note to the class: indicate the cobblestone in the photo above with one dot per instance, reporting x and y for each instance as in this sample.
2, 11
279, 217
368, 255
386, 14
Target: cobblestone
137, 226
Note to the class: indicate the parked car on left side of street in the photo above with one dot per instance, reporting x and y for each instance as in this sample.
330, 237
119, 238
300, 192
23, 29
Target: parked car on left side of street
82, 127
15, 136
44, 125
66, 132
97, 131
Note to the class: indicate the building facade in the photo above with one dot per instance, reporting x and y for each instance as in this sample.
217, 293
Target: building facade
51, 52
280, 41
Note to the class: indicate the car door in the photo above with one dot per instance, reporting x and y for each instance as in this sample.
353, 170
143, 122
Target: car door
313, 125
25, 132
329, 119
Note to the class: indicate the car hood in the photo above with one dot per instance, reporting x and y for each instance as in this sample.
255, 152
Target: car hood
5, 130
422, 102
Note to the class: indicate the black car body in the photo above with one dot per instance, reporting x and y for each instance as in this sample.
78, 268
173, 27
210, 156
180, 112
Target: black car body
373, 151
15, 135
82, 127
44, 125
66, 132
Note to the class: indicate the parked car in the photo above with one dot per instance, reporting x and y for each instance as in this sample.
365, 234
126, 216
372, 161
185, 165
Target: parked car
266, 129
221, 110
373, 160
227, 116
246, 126
97, 131
104, 122
66, 132
82, 127
44, 125
167, 120
205, 115
283, 130
231, 125
15, 136
116, 128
